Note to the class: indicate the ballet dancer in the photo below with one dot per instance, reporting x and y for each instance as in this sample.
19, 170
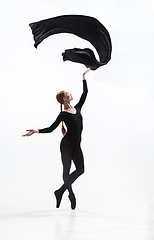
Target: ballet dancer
70, 144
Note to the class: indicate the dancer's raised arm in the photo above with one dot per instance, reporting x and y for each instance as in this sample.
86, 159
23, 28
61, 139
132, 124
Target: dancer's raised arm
85, 91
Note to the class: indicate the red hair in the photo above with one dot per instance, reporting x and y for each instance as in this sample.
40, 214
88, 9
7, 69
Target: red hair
59, 98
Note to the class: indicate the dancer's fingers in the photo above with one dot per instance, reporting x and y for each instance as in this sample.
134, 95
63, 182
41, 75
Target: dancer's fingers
86, 71
30, 132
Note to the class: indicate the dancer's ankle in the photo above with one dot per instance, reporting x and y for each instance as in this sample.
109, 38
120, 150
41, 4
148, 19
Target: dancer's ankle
72, 200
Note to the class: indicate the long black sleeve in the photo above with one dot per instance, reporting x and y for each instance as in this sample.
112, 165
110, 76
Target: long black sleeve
83, 96
52, 127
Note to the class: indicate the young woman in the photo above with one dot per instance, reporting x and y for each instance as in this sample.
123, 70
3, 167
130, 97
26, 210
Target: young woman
70, 143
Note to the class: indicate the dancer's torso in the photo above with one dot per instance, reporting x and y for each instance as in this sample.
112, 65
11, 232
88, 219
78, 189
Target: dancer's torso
74, 126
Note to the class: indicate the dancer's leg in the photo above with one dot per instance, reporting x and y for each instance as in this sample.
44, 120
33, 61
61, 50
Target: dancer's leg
79, 164
78, 160
71, 195
66, 156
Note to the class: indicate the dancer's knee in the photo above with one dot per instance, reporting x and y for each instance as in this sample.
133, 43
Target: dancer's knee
81, 170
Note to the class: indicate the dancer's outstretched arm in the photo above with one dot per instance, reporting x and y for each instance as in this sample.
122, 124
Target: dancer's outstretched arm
45, 130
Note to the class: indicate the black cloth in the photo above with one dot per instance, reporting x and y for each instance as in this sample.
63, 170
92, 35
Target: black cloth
85, 27
72, 121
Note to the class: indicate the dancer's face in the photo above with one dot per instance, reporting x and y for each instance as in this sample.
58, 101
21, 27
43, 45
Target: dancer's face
68, 96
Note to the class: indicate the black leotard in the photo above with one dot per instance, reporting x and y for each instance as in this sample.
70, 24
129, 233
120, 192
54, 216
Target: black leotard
73, 121
70, 147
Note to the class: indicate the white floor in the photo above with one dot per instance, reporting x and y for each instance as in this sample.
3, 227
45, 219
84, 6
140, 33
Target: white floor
121, 222
28, 212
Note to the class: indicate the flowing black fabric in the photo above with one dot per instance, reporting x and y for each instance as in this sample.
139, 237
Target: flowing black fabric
84, 27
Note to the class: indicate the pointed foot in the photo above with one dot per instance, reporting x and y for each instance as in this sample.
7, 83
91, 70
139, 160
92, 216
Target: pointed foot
58, 196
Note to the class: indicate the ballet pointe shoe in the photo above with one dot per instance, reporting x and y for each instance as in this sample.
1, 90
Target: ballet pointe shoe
72, 200
58, 196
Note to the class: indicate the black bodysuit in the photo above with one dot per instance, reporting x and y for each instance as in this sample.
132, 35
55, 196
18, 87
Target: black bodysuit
70, 147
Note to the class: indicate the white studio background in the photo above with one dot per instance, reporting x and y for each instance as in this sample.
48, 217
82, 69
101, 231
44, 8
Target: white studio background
118, 134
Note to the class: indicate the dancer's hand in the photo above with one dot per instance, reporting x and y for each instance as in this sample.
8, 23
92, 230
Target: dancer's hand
30, 132
85, 73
